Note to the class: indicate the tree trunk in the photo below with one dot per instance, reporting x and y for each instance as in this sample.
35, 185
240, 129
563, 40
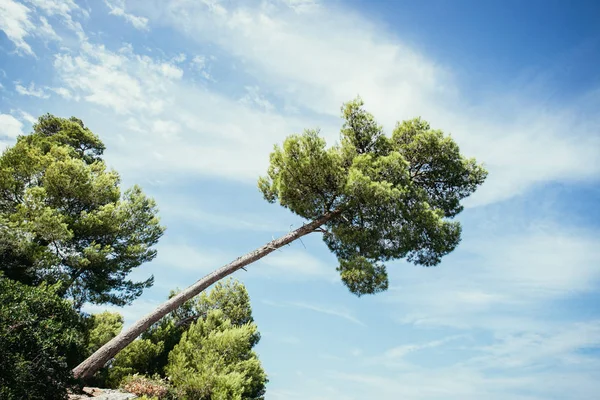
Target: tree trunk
97, 360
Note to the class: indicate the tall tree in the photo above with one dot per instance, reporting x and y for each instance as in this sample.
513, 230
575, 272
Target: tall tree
63, 218
374, 198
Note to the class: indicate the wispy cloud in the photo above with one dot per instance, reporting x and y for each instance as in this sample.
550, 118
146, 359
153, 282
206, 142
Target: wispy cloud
497, 279
117, 7
66, 10
322, 309
405, 349
25, 116
15, 22
532, 362
31, 90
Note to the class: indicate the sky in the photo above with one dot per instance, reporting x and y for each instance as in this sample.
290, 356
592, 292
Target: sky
191, 95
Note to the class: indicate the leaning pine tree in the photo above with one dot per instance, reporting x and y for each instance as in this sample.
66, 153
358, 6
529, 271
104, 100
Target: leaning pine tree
372, 197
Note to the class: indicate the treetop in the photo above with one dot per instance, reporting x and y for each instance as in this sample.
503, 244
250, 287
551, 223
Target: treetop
388, 197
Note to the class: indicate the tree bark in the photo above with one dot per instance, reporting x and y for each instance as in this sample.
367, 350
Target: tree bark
97, 360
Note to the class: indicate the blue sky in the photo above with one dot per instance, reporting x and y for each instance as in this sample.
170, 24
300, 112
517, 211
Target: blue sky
190, 97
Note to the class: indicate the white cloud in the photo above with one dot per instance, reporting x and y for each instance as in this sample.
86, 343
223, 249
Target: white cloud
64, 93
46, 32
31, 91
65, 10
301, 5
179, 58
166, 128
117, 7
496, 281
15, 22
199, 64
319, 59
25, 116
122, 81
10, 127
403, 350
254, 97
524, 364
171, 71
223, 137
562, 345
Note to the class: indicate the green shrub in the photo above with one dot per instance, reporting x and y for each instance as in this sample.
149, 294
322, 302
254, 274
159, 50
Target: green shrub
214, 361
132, 360
41, 339
153, 388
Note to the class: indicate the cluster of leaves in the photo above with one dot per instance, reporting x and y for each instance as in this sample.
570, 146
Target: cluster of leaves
64, 220
103, 327
387, 197
204, 348
214, 360
41, 339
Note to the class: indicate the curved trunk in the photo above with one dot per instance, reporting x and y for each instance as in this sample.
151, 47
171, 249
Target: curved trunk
97, 360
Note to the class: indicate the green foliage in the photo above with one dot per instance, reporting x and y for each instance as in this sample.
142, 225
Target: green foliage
390, 197
149, 355
41, 339
103, 327
214, 360
229, 296
63, 218
139, 357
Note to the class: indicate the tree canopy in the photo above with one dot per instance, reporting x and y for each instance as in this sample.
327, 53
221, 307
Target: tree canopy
387, 197
41, 338
63, 218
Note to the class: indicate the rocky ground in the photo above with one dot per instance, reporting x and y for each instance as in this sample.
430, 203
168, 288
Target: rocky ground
101, 394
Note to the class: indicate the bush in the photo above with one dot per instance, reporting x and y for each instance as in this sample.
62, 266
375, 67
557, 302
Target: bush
41, 338
134, 359
148, 387
214, 361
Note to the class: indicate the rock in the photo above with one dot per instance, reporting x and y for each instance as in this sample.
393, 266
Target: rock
102, 394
